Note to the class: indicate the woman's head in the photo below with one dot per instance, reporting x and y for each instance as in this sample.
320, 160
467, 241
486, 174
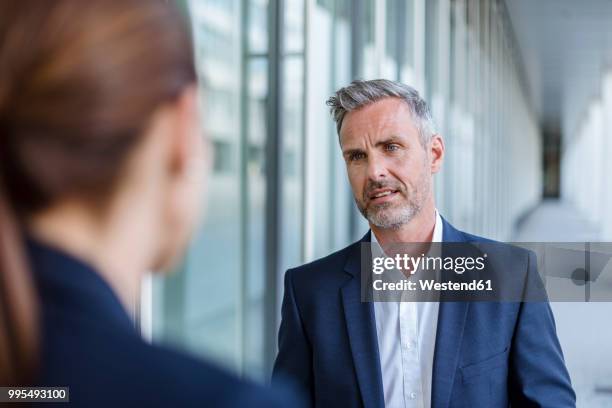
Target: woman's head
98, 116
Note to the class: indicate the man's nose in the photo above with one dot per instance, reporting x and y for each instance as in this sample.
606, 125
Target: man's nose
376, 168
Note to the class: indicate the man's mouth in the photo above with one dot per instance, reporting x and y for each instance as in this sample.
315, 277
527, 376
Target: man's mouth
382, 195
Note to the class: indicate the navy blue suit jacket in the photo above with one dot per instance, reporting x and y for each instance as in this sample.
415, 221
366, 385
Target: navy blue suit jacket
487, 354
91, 345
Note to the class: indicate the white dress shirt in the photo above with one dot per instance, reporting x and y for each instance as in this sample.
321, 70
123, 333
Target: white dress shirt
406, 340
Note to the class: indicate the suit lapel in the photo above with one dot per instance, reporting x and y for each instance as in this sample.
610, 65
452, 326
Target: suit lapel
362, 336
451, 322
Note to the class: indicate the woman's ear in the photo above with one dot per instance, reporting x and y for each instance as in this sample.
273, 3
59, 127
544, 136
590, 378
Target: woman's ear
190, 159
187, 139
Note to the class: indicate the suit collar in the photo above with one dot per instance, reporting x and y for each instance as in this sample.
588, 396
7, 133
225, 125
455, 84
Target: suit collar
361, 329
451, 234
69, 287
353, 261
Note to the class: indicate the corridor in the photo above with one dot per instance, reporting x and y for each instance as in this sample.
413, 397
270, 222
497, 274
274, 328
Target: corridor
584, 345
555, 221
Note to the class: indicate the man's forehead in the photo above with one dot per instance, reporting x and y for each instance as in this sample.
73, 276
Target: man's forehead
386, 115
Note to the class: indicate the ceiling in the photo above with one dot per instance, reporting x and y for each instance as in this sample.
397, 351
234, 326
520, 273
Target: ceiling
565, 47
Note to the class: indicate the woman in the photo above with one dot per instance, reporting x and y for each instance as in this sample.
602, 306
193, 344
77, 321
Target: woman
101, 165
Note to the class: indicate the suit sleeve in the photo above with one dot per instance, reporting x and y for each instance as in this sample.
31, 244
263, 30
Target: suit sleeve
538, 377
294, 360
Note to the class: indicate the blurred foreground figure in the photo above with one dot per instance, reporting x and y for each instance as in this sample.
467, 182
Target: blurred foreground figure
102, 165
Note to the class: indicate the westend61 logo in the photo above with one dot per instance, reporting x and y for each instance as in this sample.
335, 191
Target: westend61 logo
403, 265
412, 264
487, 271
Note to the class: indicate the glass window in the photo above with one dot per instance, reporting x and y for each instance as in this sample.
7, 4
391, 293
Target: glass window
214, 305
253, 281
258, 26
367, 26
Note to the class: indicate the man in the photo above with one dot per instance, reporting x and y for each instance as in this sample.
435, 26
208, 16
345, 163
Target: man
349, 353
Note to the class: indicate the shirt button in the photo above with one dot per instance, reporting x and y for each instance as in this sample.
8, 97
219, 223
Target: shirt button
412, 395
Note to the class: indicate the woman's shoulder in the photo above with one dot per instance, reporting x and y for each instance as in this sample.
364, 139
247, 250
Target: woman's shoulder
104, 370
91, 345
196, 382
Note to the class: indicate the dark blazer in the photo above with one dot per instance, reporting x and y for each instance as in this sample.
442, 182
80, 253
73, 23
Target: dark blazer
487, 354
91, 345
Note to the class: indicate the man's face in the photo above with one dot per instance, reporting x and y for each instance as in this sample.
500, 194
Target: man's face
389, 169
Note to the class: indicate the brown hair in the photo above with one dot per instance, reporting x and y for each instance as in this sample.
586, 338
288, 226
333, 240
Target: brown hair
78, 82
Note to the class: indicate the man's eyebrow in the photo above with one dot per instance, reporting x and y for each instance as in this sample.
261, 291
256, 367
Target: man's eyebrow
389, 140
349, 152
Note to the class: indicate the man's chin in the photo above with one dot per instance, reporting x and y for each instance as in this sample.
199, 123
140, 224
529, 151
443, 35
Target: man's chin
390, 218
386, 221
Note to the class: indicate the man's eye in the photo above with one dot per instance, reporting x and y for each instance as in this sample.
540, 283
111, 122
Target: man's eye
356, 156
391, 147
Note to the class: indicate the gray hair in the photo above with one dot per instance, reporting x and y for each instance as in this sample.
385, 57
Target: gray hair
360, 93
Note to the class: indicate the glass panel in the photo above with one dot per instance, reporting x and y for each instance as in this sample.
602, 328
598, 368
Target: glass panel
406, 38
213, 261
317, 148
292, 135
254, 263
391, 29
293, 127
294, 26
258, 23
341, 196
368, 46
431, 48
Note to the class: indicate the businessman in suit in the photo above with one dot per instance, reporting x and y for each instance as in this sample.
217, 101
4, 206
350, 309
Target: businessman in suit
346, 352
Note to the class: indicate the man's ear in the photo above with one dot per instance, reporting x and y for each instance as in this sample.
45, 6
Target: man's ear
185, 140
437, 153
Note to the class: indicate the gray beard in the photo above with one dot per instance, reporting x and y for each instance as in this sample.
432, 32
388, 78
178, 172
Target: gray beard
391, 218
